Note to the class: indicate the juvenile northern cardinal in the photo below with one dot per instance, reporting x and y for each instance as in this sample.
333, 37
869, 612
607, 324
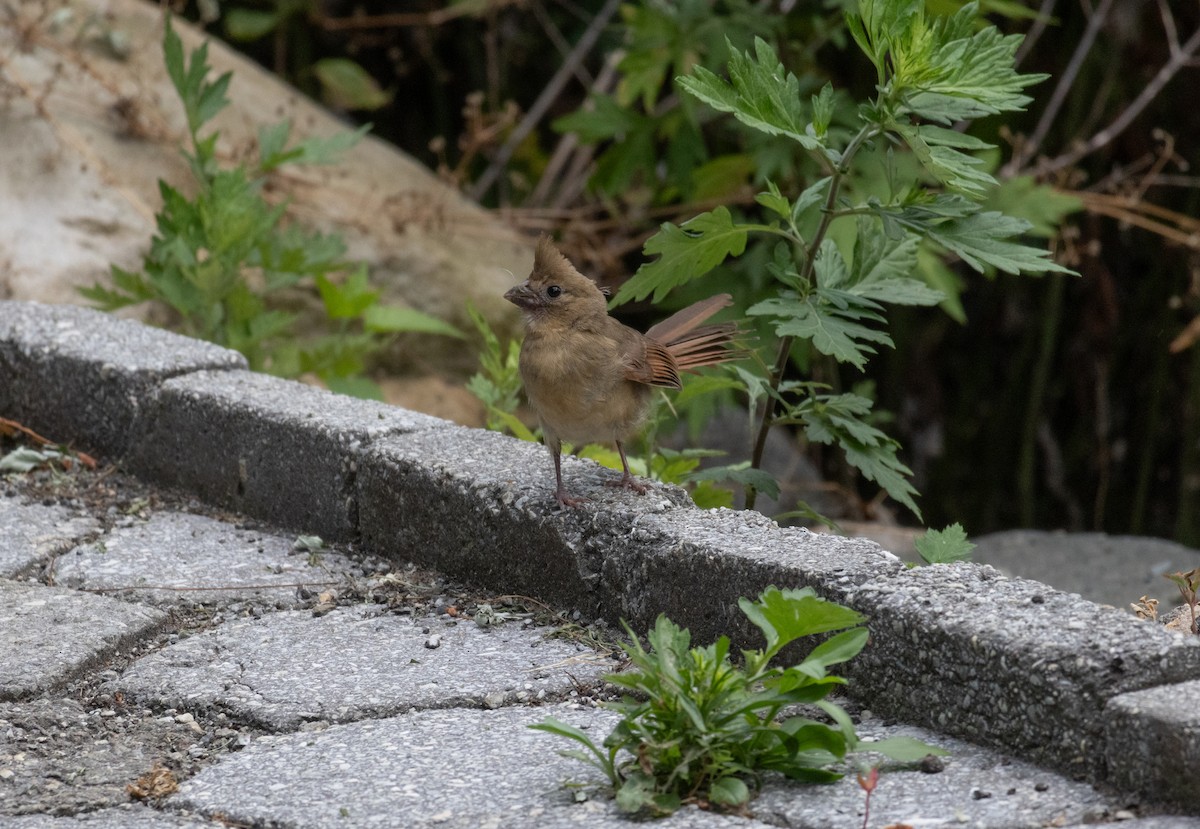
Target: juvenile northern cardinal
588, 376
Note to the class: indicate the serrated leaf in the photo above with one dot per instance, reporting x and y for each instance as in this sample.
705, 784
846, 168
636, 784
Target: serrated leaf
980, 239
944, 546
784, 616
685, 252
944, 162
740, 473
760, 93
836, 331
348, 299
837, 420
822, 110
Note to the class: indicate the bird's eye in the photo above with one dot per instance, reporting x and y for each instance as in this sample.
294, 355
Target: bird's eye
554, 292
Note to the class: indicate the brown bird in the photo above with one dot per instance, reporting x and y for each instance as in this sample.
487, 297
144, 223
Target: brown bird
588, 376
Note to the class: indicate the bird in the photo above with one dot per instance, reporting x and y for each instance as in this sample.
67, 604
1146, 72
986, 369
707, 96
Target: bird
589, 377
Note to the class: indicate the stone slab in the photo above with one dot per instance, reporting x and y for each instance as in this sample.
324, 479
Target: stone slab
129, 817
479, 506
973, 786
1007, 662
58, 756
50, 634
1152, 742
178, 558
460, 768
31, 534
1109, 569
88, 379
290, 667
274, 449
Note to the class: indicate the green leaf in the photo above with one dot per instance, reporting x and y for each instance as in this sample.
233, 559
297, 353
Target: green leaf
346, 85
822, 110
835, 650
390, 319
250, 24
883, 269
25, 459
944, 546
348, 299
903, 749
935, 147
836, 419
833, 321
729, 791
685, 252
329, 150
361, 387
980, 239
760, 93
786, 615
604, 119
741, 474
721, 177
1044, 207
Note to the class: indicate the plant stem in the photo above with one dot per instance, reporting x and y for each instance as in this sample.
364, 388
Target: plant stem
1027, 455
767, 415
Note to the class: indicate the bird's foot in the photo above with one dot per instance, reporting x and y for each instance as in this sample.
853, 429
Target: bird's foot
629, 482
567, 501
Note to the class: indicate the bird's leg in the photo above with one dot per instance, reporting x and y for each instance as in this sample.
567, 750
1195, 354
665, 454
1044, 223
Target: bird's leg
560, 493
627, 480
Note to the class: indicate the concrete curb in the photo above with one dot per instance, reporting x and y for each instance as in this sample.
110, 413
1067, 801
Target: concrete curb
1006, 662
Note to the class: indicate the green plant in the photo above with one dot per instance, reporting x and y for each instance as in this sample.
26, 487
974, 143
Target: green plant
233, 273
699, 729
844, 251
944, 546
1189, 589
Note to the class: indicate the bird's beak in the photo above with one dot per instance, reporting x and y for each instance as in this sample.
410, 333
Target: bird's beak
522, 296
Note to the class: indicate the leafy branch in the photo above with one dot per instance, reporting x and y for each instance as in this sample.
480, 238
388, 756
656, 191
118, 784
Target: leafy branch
232, 272
932, 72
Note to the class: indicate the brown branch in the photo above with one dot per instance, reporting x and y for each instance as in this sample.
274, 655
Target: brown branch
544, 100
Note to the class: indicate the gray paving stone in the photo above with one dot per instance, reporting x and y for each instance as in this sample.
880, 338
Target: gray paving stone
58, 756
274, 449
50, 634
1007, 662
290, 667
31, 534
179, 558
89, 379
976, 787
1110, 569
130, 817
1153, 742
461, 768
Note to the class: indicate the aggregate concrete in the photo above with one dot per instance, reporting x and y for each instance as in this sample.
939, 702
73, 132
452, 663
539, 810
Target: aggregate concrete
180, 558
1152, 738
1040, 675
274, 449
89, 379
1009, 662
50, 634
129, 817
289, 668
971, 786
31, 534
1109, 569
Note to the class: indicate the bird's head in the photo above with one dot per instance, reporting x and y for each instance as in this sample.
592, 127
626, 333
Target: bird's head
555, 289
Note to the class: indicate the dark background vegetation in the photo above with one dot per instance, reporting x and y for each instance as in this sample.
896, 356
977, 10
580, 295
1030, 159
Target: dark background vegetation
1062, 402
